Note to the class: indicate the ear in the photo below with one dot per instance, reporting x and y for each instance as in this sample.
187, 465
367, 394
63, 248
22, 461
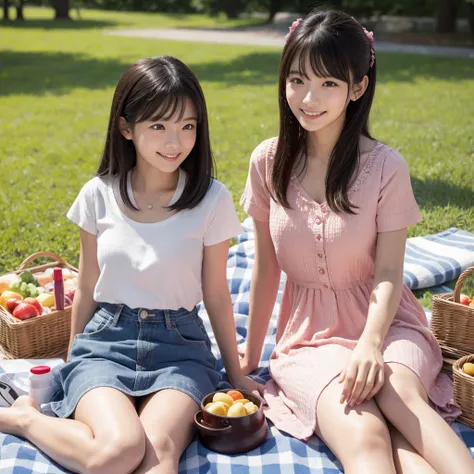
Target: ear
359, 89
125, 129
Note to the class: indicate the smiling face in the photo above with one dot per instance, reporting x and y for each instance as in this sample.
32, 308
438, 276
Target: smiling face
164, 144
318, 101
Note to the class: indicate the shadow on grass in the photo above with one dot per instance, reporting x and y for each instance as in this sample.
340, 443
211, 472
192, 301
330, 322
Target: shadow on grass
55, 73
46, 24
38, 73
432, 194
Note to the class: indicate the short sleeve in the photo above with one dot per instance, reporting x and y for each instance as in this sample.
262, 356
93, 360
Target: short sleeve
82, 211
397, 207
224, 222
256, 197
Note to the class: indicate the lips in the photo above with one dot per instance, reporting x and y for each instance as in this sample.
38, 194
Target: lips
312, 115
169, 157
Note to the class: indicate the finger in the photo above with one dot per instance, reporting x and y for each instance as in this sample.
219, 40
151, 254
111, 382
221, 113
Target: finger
342, 376
369, 385
241, 348
349, 381
378, 384
360, 383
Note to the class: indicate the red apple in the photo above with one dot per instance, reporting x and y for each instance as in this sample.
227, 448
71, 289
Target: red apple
70, 294
34, 302
25, 311
12, 303
464, 299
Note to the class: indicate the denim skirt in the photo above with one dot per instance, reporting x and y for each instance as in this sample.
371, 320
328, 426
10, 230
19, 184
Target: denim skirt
139, 352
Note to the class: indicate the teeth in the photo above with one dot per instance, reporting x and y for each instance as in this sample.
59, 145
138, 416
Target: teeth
313, 114
169, 156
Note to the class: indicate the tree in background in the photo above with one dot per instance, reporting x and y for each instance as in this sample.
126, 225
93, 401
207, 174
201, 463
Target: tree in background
61, 7
447, 16
6, 10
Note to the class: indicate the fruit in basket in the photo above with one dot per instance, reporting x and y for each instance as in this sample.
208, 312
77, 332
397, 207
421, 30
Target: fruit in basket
468, 368
6, 281
34, 302
464, 299
24, 289
6, 295
25, 311
46, 299
217, 408
237, 410
250, 408
235, 394
28, 277
241, 400
223, 397
12, 303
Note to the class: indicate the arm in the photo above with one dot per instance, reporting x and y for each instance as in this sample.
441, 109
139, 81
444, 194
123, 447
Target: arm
263, 290
219, 307
388, 284
365, 374
83, 306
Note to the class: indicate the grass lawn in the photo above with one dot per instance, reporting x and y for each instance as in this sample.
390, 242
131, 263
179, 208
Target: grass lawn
56, 87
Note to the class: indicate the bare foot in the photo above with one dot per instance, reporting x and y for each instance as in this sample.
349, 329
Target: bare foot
13, 419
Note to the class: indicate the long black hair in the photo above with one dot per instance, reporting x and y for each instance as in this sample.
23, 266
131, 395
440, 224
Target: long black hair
336, 46
157, 89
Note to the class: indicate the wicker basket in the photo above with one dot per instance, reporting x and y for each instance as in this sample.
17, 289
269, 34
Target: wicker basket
40, 337
452, 323
464, 390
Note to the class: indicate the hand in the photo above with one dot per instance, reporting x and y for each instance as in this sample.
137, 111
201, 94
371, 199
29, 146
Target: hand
246, 366
249, 385
364, 376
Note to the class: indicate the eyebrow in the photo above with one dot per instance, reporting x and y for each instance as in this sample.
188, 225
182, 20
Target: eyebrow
298, 73
188, 118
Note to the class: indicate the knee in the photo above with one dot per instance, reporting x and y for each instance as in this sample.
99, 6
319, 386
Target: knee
399, 390
164, 447
371, 440
120, 454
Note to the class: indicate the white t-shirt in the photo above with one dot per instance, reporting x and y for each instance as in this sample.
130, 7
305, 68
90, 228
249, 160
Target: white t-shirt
152, 265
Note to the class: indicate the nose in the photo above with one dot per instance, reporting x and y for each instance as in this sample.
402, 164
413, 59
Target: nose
172, 140
311, 96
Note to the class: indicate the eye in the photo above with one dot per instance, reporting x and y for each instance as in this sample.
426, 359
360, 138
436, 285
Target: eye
296, 80
330, 84
189, 126
157, 126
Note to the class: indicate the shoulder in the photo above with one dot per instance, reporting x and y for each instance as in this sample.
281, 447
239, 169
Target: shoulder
265, 151
392, 163
217, 191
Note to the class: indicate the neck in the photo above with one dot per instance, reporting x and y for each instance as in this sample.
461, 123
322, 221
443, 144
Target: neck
320, 144
149, 180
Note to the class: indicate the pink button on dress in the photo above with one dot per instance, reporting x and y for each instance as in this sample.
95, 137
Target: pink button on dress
329, 260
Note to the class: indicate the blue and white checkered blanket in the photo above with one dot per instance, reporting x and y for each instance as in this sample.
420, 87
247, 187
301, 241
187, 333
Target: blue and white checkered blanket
429, 261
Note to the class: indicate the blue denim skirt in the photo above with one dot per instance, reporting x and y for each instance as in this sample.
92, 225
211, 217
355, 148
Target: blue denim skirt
139, 352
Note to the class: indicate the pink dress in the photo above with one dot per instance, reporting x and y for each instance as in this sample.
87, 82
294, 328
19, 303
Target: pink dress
329, 260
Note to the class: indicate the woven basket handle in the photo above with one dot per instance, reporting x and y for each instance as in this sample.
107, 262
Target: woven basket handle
52, 256
460, 282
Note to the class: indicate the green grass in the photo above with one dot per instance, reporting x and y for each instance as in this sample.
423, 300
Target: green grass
57, 82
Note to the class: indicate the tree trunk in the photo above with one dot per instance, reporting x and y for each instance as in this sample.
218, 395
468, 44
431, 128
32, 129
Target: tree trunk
19, 10
447, 16
233, 8
470, 18
273, 8
61, 8
6, 11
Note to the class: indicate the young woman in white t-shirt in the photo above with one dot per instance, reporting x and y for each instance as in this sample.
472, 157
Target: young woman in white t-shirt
154, 232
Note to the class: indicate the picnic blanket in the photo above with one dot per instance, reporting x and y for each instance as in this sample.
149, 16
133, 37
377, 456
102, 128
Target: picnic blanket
431, 260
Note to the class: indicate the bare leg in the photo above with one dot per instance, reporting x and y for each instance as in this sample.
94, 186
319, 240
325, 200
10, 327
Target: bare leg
359, 436
407, 460
403, 401
106, 435
167, 418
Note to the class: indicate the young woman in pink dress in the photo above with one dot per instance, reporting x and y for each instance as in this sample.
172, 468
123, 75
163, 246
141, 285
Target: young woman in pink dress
354, 362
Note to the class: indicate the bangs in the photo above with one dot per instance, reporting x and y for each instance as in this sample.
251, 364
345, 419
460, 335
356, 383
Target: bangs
163, 105
325, 58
